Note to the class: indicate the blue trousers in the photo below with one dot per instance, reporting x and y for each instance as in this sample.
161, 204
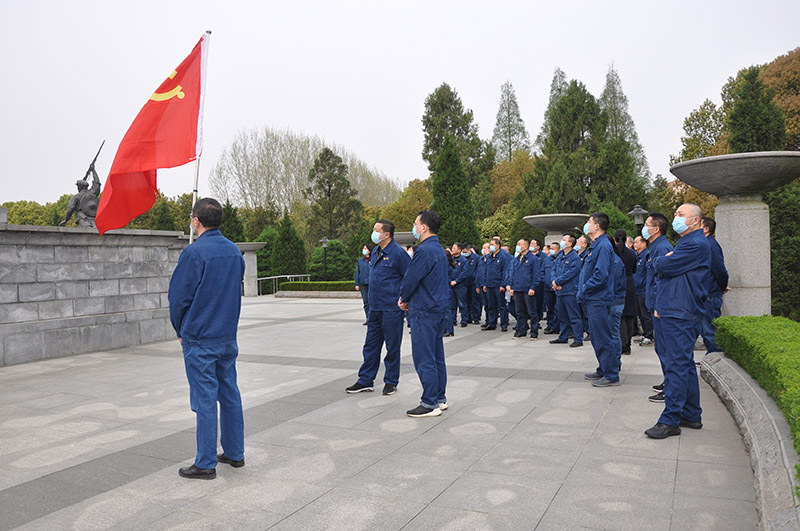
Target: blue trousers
364, 298
383, 326
681, 387
549, 302
659, 343
496, 303
539, 303
427, 351
713, 310
645, 317
608, 356
451, 315
474, 303
614, 319
569, 318
460, 291
526, 310
211, 371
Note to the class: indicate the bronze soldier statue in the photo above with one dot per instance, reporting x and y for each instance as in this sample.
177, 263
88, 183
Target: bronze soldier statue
84, 204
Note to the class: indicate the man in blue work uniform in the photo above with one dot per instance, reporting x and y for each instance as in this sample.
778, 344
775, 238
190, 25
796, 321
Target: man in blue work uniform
473, 298
654, 231
717, 285
424, 293
680, 306
480, 282
537, 250
596, 294
459, 283
566, 273
385, 323
362, 278
549, 298
581, 247
525, 277
497, 265
205, 300
640, 285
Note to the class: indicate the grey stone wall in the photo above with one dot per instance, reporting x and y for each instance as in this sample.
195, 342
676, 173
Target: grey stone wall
65, 291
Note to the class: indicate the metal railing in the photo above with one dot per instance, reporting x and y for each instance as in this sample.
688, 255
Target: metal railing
276, 281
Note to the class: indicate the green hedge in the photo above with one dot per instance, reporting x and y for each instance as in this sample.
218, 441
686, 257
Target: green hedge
768, 348
340, 285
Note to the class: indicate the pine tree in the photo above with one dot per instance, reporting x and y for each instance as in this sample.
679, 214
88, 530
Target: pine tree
451, 197
334, 208
558, 87
336, 264
510, 134
163, 219
231, 227
289, 256
755, 123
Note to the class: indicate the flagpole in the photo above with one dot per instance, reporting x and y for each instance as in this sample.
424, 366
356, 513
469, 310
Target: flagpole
194, 195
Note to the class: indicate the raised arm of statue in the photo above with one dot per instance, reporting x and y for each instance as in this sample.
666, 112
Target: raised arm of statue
95, 188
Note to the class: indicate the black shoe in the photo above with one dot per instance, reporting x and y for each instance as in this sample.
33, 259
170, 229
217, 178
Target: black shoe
517, 335
463, 325
389, 389
222, 458
551, 332
558, 342
451, 334
364, 323
504, 329
359, 388
662, 431
192, 472
691, 424
422, 411
626, 352
658, 397
485, 328
659, 387
575, 344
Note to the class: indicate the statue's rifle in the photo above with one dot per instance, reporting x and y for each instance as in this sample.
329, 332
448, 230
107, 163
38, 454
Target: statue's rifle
86, 177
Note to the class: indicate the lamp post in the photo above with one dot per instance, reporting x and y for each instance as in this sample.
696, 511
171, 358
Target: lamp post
324, 241
639, 215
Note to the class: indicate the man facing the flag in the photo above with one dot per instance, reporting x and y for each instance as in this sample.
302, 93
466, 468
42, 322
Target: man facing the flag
166, 133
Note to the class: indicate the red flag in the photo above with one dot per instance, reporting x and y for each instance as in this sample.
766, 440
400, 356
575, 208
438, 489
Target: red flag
166, 133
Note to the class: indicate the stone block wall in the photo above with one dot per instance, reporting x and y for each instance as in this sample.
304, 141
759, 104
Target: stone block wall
65, 291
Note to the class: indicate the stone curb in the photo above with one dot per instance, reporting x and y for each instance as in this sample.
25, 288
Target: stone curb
318, 294
767, 437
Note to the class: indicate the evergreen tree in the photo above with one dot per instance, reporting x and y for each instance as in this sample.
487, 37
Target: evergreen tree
231, 227
163, 218
255, 220
445, 116
451, 197
702, 130
784, 203
755, 123
415, 198
339, 265
359, 238
334, 208
510, 134
264, 255
289, 255
558, 87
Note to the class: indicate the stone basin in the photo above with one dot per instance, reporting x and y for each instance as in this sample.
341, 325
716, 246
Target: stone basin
555, 225
740, 173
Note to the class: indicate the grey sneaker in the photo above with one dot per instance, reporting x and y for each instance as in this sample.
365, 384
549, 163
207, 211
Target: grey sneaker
591, 376
605, 382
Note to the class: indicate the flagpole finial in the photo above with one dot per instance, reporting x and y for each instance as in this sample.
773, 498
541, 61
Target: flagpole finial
208, 32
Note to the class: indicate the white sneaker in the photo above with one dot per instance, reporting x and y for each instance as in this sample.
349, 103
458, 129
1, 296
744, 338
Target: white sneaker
646, 341
443, 406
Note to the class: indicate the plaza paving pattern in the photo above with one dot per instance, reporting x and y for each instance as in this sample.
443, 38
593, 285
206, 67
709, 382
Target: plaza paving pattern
95, 441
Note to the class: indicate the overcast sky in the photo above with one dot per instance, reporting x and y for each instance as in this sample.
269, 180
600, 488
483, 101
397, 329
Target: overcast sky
75, 73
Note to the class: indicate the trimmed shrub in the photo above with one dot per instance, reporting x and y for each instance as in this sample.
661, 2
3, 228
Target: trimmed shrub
341, 285
768, 348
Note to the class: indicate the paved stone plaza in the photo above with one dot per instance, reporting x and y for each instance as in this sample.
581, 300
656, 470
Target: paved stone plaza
95, 441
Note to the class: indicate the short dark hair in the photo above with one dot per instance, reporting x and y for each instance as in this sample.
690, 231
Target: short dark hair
538, 242
660, 221
459, 245
601, 219
387, 226
208, 212
497, 239
527, 241
431, 219
710, 224
570, 238
370, 246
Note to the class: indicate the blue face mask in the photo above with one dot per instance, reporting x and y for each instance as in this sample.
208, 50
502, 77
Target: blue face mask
679, 224
578, 248
483, 252
585, 228
645, 233
364, 252
562, 244
492, 248
376, 237
518, 249
552, 252
414, 232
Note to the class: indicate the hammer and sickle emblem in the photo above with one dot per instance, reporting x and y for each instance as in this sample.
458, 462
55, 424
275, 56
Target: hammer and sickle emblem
164, 96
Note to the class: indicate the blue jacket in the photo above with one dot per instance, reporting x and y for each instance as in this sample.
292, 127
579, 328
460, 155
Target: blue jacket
462, 270
472, 266
497, 269
547, 272
640, 275
683, 285
719, 274
425, 286
205, 291
526, 273
566, 272
596, 281
659, 247
362, 272
618, 269
480, 272
388, 266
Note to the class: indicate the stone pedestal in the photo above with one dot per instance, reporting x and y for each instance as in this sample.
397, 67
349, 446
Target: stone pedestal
250, 267
3, 216
743, 234
556, 225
